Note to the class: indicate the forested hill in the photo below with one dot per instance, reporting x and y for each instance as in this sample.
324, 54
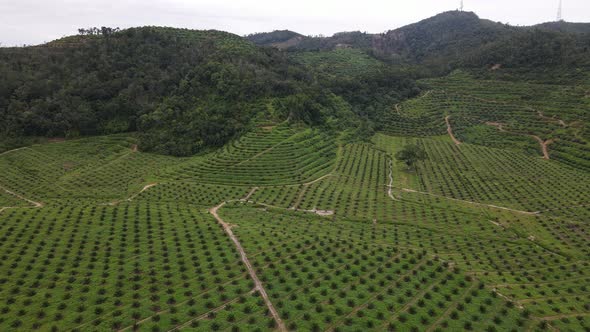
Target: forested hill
563, 26
457, 39
440, 35
170, 84
446, 36
182, 90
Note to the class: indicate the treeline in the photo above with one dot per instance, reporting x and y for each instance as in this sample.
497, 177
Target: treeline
457, 39
104, 31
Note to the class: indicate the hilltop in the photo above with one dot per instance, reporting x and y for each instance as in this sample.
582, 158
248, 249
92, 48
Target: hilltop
163, 82
457, 39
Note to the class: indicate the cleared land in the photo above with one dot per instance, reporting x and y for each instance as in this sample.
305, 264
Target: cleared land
290, 228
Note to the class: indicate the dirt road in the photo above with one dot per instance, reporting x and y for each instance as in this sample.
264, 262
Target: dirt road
14, 150
36, 204
390, 185
245, 199
251, 271
542, 143
470, 202
450, 131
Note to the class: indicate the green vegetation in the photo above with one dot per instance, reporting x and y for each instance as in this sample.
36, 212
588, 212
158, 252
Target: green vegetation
410, 154
340, 235
317, 189
183, 90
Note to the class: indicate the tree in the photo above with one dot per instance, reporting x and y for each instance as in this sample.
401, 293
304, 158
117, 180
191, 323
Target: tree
410, 154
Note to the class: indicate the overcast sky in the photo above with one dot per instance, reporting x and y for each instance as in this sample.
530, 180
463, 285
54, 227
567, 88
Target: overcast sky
38, 21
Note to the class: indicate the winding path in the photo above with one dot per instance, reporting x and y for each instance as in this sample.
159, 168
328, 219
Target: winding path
132, 197
252, 191
543, 116
146, 187
542, 143
304, 190
13, 150
390, 185
36, 204
470, 202
450, 131
251, 271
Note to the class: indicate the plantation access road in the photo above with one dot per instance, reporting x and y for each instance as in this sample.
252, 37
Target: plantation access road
542, 116
543, 144
251, 271
252, 191
261, 153
390, 185
570, 315
36, 204
450, 130
13, 150
146, 187
470, 202
132, 197
304, 189
508, 299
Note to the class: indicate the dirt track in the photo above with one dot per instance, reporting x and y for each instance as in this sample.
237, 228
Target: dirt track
132, 197
146, 187
542, 116
470, 202
450, 131
36, 204
245, 199
251, 271
542, 143
390, 185
13, 150
304, 189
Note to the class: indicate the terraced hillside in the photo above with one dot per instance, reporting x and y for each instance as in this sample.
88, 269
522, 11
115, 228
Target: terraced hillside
546, 120
269, 155
299, 229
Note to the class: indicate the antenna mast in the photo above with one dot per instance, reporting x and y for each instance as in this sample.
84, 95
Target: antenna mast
461, 7
559, 18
